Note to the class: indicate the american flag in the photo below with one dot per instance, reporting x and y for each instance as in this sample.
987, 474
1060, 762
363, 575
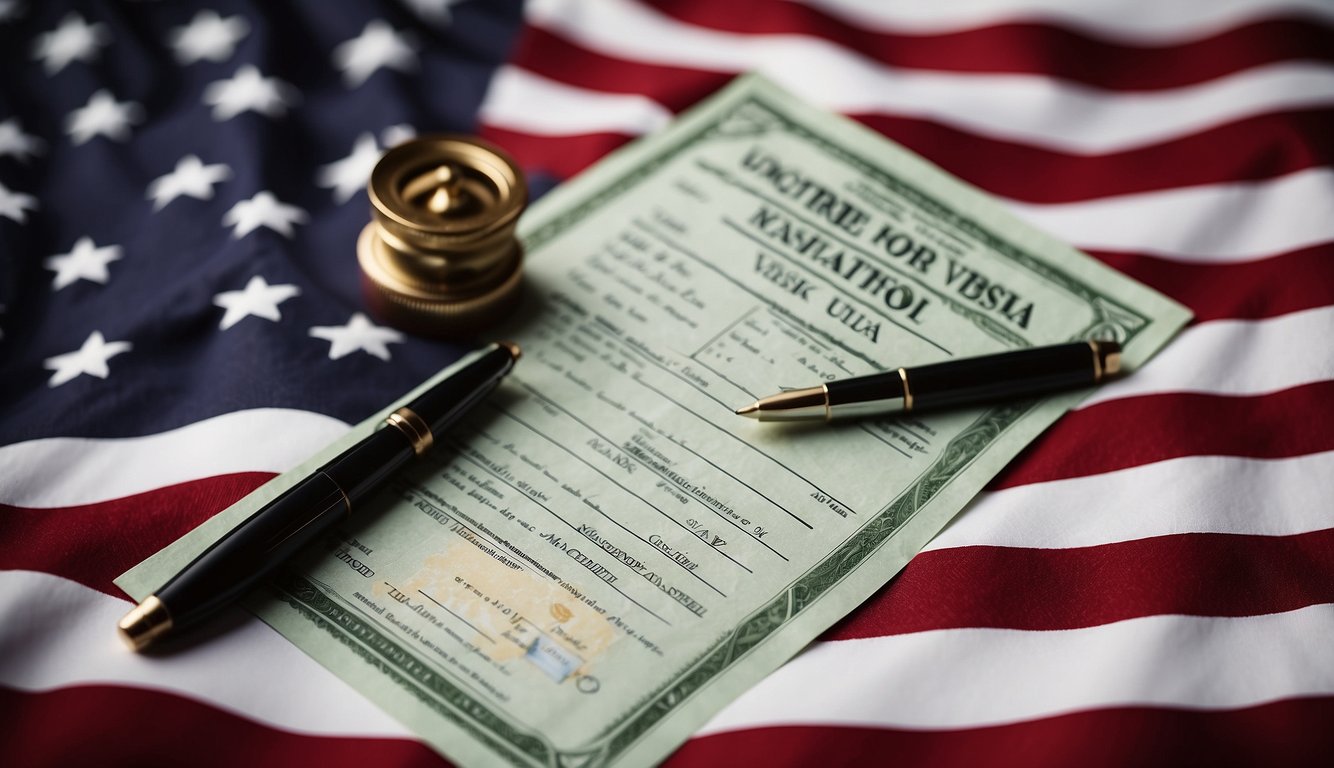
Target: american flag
1152, 582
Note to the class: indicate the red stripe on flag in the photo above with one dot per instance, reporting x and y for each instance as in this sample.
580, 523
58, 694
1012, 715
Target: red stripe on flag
1141, 430
1027, 47
119, 726
105, 725
556, 58
559, 156
1293, 732
1194, 574
1250, 290
94, 543
1248, 149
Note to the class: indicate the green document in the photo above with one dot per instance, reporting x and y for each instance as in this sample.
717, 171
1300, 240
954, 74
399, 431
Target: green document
604, 555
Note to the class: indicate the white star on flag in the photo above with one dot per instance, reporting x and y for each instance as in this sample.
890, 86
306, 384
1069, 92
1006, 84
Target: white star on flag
258, 298
105, 116
434, 10
15, 205
263, 210
191, 178
397, 134
91, 358
359, 334
85, 261
248, 90
350, 174
377, 46
208, 36
10, 10
15, 143
74, 39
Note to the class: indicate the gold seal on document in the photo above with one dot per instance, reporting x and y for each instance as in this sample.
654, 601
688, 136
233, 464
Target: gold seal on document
439, 256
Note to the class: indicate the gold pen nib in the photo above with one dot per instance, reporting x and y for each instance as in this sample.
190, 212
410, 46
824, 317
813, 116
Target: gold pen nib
789, 405
147, 622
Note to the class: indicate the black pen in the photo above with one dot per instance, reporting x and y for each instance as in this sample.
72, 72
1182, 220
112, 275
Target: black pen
1022, 373
236, 562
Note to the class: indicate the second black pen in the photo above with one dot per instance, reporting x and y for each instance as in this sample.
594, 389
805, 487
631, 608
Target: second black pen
1002, 376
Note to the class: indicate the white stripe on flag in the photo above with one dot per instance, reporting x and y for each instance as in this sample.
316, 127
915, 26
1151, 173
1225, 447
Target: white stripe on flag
61, 633
523, 101
68, 471
1234, 357
956, 678
966, 678
1192, 494
1239, 221
1017, 107
1260, 218
1138, 21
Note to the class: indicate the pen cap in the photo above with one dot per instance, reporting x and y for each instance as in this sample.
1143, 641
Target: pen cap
1015, 374
439, 256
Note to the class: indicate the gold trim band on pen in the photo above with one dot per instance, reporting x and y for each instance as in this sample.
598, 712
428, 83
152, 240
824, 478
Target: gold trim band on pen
1097, 360
347, 500
1111, 358
907, 391
414, 428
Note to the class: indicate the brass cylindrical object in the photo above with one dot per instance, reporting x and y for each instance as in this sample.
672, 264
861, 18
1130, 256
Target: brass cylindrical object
439, 256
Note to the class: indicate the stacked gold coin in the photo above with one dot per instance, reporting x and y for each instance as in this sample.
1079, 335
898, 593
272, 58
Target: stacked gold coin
439, 256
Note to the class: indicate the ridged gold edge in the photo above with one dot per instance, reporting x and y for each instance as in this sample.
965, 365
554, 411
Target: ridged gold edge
444, 317
378, 261
458, 249
453, 311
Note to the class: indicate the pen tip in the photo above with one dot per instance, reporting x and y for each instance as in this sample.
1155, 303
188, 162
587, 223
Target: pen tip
751, 411
513, 348
147, 622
